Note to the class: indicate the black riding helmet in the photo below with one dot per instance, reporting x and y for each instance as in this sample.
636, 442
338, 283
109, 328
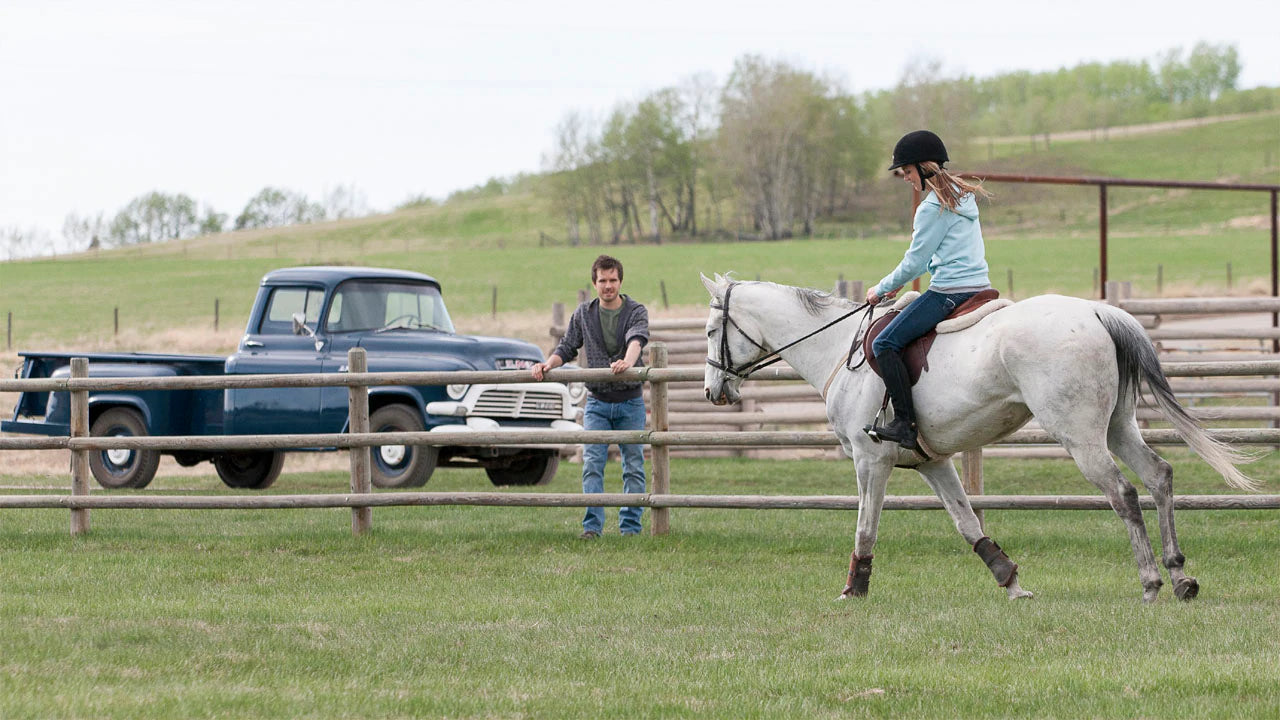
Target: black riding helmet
917, 147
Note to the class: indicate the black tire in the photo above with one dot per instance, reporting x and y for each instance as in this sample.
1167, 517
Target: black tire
250, 469
401, 466
535, 468
122, 468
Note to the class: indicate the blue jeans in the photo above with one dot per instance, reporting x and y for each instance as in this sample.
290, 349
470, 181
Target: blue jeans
921, 316
625, 415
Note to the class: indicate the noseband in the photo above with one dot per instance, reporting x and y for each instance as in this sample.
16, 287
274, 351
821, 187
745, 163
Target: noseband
726, 364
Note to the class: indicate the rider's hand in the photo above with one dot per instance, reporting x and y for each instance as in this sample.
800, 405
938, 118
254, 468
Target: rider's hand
539, 370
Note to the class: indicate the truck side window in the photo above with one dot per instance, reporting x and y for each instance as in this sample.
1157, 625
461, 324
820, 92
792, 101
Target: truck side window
286, 301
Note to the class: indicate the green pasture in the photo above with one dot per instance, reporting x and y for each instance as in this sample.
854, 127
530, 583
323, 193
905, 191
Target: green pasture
474, 612
1046, 235
59, 303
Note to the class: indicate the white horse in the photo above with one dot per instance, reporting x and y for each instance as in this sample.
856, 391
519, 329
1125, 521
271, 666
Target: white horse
1075, 365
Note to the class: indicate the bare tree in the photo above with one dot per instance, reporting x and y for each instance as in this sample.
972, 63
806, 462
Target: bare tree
86, 233
345, 201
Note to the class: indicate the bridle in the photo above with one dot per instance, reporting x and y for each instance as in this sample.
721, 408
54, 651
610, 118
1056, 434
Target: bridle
726, 364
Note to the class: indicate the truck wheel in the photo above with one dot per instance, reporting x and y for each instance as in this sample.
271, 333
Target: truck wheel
122, 468
401, 466
251, 469
535, 468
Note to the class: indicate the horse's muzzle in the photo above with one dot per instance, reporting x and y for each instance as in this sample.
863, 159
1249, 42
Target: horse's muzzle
724, 398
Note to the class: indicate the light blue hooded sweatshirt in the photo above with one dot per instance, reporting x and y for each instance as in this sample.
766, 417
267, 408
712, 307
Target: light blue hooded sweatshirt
945, 243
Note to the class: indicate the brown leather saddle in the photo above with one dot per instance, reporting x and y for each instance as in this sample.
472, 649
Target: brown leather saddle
916, 354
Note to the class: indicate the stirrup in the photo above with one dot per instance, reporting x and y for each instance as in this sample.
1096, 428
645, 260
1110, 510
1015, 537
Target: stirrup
875, 432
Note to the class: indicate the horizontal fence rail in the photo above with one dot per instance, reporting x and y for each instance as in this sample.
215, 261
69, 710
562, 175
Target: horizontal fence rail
497, 377
649, 500
361, 499
774, 438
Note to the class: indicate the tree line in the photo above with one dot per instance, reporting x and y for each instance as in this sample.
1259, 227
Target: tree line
157, 216
779, 147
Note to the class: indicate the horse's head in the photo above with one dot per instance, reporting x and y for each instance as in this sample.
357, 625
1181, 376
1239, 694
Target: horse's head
730, 351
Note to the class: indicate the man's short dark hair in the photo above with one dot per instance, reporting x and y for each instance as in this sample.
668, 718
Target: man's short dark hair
606, 262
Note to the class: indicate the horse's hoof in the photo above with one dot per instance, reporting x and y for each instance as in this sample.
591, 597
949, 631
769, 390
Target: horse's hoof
1021, 595
1186, 589
851, 593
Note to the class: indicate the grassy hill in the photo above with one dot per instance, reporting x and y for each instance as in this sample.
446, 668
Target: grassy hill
1045, 235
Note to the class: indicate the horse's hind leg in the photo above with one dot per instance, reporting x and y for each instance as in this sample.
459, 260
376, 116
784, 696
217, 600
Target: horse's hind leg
941, 476
1098, 467
1125, 440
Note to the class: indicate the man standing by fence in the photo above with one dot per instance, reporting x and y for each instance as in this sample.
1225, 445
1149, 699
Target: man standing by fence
613, 329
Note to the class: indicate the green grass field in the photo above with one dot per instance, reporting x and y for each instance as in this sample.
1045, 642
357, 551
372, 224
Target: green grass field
501, 612
1047, 236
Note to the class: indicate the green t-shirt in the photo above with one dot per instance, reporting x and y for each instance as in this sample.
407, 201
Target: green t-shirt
609, 325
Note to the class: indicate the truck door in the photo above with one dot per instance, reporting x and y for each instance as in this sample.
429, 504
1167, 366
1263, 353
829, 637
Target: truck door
271, 347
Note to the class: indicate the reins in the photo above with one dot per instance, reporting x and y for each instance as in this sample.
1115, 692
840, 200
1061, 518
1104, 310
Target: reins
726, 365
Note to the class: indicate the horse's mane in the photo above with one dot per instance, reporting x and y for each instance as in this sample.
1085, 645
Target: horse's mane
813, 301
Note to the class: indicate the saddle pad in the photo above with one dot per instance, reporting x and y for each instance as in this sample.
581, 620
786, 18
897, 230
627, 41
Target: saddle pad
916, 354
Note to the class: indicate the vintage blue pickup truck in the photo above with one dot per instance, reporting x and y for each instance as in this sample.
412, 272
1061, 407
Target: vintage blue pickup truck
304, 320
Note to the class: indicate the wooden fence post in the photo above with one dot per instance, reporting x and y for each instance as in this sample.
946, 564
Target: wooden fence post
8, 333
493, 309
79, 458
1113, 292
361, 457
971, 462
557, 320
661, 523
216, 302
116, 321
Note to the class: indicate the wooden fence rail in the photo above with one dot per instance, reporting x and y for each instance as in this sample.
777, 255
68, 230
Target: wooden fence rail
658, 501
798, 405
358, 442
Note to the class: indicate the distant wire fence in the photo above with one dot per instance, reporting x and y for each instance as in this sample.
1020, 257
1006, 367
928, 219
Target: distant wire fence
658, 375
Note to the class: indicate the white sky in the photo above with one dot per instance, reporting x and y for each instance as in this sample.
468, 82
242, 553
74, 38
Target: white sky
103, 101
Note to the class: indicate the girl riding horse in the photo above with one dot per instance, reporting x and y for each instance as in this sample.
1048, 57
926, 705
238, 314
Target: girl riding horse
946, 241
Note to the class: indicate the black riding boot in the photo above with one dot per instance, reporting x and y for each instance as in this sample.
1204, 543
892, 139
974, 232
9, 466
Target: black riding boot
903, 428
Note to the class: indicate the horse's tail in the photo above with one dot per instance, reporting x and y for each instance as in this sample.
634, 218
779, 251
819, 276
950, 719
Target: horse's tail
1137, 361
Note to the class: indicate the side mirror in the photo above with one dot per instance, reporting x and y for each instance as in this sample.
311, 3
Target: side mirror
300, 325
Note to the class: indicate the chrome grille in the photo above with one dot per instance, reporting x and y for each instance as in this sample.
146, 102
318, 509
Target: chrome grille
525, 404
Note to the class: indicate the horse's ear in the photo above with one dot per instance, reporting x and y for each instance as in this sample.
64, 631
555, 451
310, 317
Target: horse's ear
712, 286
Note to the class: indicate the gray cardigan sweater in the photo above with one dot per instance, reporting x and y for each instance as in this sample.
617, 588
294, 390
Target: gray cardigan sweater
584, 332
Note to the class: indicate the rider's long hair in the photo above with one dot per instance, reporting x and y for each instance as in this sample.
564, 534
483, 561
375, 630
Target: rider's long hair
949, 188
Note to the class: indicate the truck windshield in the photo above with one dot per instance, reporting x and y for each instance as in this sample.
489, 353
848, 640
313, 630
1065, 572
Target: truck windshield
363, 305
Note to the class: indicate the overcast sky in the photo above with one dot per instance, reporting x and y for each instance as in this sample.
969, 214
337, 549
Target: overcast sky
103, 101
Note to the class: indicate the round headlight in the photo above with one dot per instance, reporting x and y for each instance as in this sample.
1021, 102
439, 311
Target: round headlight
456, 392
577, 391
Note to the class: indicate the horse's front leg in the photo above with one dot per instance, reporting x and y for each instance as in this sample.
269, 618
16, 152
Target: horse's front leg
941, 476
873, 477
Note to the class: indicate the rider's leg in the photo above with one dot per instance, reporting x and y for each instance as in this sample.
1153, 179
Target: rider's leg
896, 380
915, 320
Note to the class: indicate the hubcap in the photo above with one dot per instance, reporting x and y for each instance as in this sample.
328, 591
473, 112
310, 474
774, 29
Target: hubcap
392, 454
120, 456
